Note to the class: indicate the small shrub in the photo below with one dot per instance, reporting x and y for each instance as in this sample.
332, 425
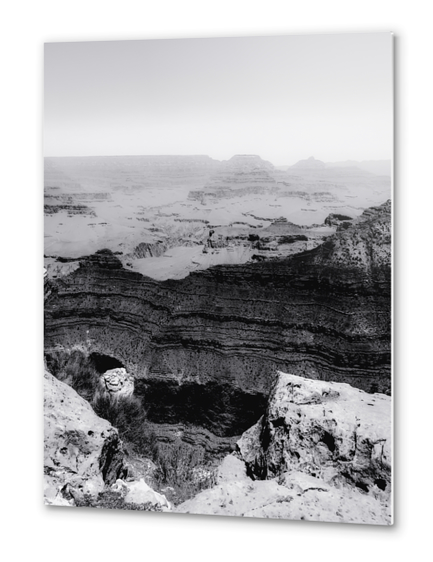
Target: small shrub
75, 369
128, 415
183, 468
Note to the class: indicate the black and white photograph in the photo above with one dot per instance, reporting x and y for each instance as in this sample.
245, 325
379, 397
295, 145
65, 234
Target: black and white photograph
217, 279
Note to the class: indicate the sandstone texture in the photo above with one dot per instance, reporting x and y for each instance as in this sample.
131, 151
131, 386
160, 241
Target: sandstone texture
321, 452
82, 452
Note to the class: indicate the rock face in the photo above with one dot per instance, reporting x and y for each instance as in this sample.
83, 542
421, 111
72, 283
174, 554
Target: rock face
82, 452
324, 429
204, 350
321, 452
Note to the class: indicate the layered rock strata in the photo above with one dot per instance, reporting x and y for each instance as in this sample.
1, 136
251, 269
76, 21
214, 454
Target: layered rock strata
242, 175
204, 350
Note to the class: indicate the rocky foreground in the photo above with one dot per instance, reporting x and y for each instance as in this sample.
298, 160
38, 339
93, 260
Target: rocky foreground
321, 452
83, 455
81, 451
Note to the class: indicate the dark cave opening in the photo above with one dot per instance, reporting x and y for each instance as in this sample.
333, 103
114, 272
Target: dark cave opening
104, 363
79, 370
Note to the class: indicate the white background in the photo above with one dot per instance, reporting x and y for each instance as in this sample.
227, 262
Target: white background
31, 531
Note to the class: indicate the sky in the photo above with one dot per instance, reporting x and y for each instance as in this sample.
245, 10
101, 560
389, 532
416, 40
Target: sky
284, 98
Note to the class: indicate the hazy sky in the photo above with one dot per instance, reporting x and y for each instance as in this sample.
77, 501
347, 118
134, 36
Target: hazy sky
284, 97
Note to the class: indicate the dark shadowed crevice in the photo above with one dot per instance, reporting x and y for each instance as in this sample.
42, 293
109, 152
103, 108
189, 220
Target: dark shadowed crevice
104, 363
219, 408
329, 441
380, 483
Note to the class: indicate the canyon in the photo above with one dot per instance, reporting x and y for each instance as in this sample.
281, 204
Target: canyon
204, 350
156, 212
183, 288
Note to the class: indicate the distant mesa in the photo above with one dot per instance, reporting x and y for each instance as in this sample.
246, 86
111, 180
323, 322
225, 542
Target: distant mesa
248, 161
309, 164
243, 174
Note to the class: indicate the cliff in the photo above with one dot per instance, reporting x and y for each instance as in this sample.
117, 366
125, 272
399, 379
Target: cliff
204, 350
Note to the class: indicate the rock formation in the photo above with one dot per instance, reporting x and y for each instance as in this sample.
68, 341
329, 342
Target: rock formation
325, 429
321, 452
116, 382
204, 350
82, 453
84, 457
240, 176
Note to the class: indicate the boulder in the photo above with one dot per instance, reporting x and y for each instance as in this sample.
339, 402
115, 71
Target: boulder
116, 382
82, 452
325, 429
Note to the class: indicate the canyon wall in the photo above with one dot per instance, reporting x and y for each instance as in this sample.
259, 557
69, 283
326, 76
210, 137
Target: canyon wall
204, 350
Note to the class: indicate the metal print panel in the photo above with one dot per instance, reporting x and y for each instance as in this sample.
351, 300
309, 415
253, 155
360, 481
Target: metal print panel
218, 276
